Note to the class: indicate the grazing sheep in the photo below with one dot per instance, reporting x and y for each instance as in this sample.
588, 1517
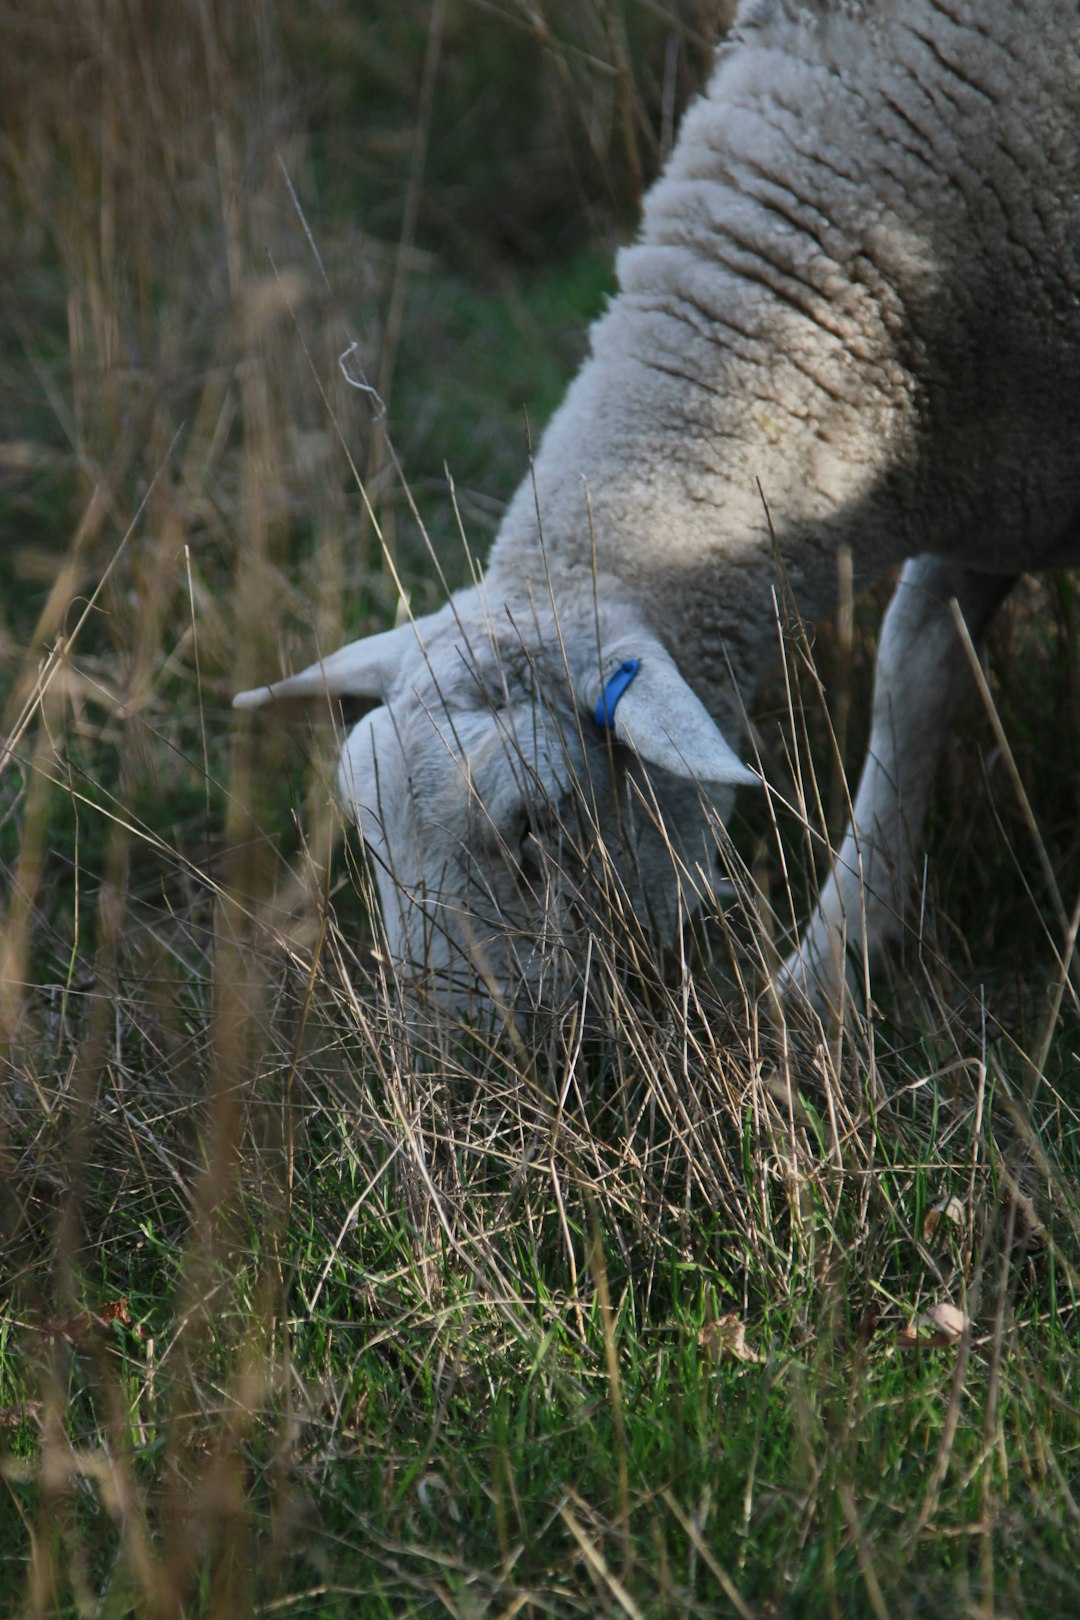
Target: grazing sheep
851, 319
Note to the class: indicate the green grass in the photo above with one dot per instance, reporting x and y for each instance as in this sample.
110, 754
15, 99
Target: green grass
397, 1423
302, 1313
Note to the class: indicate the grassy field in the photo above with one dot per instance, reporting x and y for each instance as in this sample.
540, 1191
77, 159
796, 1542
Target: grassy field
674, 1311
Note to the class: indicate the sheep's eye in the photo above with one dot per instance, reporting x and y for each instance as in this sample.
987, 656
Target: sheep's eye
524, 843
529, 859
537, 828
520, 831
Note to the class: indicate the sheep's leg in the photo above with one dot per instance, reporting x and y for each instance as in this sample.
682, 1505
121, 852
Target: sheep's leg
920, 664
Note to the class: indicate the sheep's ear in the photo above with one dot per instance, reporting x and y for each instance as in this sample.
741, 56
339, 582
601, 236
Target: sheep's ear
652, 710
364, 669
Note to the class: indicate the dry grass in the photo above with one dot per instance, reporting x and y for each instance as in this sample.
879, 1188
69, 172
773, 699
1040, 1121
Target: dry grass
305, 1309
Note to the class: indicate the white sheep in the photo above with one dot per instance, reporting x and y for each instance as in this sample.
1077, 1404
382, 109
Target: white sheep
851, 317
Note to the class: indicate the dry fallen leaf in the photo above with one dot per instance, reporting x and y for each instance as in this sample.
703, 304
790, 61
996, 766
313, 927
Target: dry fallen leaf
433, 1486
948, 1214
13, 1417
725, 1340
74, 1328
1020, 1219
941, 1325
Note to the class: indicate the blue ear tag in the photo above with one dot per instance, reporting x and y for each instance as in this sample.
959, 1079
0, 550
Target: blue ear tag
613, 691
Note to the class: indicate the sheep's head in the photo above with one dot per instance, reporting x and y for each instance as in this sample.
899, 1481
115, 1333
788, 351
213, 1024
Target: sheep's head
526, 776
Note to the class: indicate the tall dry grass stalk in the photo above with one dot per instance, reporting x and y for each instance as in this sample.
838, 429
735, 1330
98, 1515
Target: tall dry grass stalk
192, 419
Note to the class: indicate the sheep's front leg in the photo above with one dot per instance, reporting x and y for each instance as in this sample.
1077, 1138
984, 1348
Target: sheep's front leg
920, 664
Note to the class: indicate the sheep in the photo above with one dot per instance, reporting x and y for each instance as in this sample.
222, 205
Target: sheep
850, 321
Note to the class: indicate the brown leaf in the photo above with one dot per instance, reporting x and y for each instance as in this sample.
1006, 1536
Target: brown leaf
13, 1417
115, 1310
81, 1326
725, 1340
942, 1324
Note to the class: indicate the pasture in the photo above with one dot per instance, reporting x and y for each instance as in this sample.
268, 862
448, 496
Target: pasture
662, 1304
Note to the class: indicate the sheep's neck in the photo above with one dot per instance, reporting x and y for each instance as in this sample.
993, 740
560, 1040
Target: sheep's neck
702, 473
